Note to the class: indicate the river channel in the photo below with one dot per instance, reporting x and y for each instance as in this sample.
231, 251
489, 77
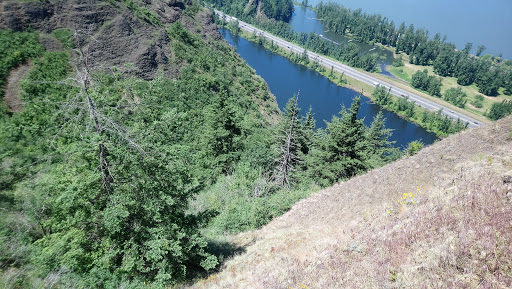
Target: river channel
285, 78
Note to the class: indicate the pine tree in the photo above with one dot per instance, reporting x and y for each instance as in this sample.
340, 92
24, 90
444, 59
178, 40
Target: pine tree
341, 151
380, 148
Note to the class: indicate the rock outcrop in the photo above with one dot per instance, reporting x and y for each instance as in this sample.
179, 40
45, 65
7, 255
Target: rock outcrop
109, 31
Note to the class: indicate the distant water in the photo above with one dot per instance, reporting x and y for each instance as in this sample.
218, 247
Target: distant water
305, 20
476, 21
285, 78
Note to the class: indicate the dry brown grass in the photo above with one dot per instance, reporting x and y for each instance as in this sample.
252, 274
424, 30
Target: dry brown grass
456, 234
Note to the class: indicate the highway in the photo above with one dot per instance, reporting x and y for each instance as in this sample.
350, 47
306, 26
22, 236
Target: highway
361, 76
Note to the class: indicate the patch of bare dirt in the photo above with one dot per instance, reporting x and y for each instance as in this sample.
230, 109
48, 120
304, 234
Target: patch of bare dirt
11, 93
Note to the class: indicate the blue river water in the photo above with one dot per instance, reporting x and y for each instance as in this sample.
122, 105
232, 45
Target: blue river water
479, 22
286, 78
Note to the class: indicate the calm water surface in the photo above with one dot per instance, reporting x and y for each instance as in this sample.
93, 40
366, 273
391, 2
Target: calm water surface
476, 21
305, 20
286, 78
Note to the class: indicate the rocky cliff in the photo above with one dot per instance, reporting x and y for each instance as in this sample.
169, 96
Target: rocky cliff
112, 33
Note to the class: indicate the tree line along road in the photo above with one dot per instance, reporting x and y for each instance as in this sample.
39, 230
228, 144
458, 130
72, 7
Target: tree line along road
358, 75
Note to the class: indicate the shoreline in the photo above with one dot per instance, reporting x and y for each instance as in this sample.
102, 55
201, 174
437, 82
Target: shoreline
350, 83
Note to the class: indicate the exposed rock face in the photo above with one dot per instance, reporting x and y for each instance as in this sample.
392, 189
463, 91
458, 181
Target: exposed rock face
118, 37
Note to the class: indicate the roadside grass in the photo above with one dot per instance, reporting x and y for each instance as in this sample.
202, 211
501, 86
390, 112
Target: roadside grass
405, 72
399, 72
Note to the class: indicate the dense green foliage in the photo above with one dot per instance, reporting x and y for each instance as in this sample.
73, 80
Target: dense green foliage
488, 72
414, 147
500, 109
163, 141
429, 83
346, 147
279, 10
432, 121
397, 61
15, 48
456, 96
478, 101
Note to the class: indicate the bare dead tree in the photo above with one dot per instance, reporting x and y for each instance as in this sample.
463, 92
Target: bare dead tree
102, 124
287, 151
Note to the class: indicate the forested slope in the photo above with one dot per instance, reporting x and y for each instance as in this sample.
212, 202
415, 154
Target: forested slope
140, 139
126, 115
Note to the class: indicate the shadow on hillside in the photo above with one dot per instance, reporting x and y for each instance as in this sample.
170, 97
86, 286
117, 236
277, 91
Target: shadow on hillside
223, 250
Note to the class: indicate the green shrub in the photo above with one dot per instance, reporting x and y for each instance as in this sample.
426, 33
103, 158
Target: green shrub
16, 48
65, 36
478, 101
414, 147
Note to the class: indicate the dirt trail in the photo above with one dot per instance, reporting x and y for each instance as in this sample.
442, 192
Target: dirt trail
12, 96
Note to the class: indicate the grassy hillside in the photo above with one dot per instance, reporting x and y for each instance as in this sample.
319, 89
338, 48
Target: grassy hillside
439, 219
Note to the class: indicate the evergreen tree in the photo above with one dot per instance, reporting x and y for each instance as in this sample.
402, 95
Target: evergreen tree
382, 96
480, 49
466, 71
380, 148
306, 133
500, 110
341, 151
445, 62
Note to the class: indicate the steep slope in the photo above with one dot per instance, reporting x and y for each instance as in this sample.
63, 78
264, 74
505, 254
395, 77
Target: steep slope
439, 219
133, 33
129, 110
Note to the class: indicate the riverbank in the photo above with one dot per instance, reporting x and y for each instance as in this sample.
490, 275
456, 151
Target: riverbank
405, 73
364, 88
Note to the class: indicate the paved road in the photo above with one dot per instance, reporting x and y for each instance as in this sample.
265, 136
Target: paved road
361, 76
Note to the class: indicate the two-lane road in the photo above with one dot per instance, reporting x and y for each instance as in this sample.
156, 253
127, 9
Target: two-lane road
361, 76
